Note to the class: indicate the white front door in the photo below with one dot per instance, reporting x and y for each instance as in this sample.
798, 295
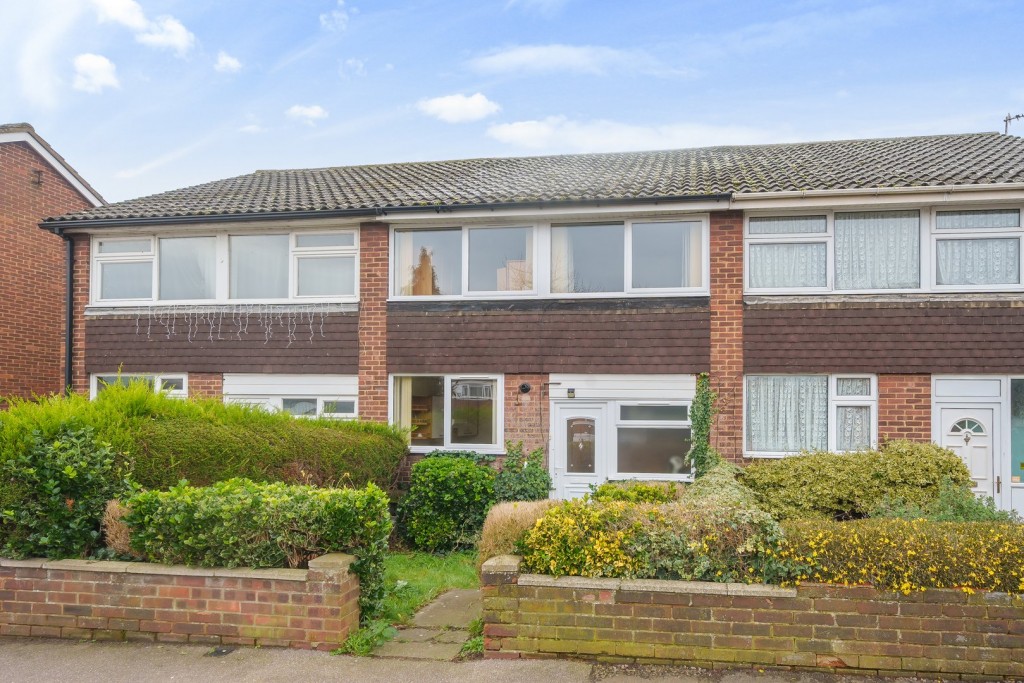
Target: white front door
579, 448
971, 432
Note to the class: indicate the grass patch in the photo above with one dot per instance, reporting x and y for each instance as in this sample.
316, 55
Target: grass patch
411, 580
474, 647
414, 579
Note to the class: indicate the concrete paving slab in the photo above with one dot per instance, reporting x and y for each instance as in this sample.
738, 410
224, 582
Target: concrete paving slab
417, 635
454, 609
438, 652
453, 636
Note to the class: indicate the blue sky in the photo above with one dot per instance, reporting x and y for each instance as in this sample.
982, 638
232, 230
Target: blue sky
143, 96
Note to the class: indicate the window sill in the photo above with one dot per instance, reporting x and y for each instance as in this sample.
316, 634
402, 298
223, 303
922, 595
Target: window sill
424, 450
916, 297
219, 307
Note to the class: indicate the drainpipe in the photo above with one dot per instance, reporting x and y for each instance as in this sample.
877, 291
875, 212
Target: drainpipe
69, 309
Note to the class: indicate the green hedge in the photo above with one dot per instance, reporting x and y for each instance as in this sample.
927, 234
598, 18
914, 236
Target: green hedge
907, 556
853, 485
446, 504
242, 523
205, 441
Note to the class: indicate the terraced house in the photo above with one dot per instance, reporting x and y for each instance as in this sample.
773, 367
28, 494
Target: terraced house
839, 293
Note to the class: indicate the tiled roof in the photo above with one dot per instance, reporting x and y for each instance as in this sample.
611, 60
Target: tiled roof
930, 161
11, 128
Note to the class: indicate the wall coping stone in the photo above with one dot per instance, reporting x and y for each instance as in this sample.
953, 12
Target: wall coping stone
502, 564
569, 582
331, 562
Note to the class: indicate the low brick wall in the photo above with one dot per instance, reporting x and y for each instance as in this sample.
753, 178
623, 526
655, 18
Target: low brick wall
932, 633
314, 608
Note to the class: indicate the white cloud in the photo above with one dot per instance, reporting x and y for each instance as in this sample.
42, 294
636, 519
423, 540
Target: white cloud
352, 68
125, 12
561, 134
34, 40
336, 19
165, 159
586, 59
163, 32
170, 33
226, 63
458, 108
308, 114
93, 73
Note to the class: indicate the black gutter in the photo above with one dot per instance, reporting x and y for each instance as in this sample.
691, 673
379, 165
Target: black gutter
58, 227
69, 306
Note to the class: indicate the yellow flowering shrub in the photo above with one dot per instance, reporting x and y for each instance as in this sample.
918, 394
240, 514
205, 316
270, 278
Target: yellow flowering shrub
906, 556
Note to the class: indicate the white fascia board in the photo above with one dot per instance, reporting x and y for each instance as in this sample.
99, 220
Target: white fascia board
534, 213
52, 161
894, 196
242, 224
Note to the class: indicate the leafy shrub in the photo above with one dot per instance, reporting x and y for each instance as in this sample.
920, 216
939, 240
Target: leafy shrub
446, 504
720, 485
954, 503
505, 525
62, 485
906, 556
522, 477
205, 440
479, 458
850, 486
242, 523
702, 456
632, 491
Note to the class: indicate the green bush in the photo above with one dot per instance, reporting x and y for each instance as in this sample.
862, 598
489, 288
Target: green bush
205, 440
954, 503
479, 458
522, 477
907, 556
632, 491
853, 485
446, 504
55, 492
702, 456
242, 523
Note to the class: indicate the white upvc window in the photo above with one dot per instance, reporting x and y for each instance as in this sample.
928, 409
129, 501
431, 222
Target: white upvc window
463, 412
649, 257
977, 249
652, 441
309, 406
786, 414
265, 267
172, 384
841, 251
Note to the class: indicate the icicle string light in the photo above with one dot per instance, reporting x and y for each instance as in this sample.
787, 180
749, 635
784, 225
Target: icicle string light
212, 323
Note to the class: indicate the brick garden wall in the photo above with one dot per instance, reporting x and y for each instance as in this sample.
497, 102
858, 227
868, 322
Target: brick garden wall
150, 602
858, 629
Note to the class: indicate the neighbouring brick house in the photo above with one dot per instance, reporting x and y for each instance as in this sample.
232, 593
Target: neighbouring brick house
35, 182
839, 293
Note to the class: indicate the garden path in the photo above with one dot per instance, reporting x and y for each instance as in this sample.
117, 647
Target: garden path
438, 630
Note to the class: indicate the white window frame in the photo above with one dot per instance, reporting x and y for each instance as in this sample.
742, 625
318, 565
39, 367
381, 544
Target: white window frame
448, 444
935, 235
617, 421
157, 377
223, 270
834, 403
542, 261
276, 403
827, 238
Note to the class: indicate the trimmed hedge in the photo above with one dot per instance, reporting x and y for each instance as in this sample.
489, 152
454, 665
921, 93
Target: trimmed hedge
907, 556
243, 523
446, 504
853, 485
205, 440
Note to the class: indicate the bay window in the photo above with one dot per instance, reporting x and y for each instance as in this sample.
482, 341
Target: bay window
793, 413
300, 266
450, 411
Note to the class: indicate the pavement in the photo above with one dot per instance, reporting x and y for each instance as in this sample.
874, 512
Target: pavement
438, 630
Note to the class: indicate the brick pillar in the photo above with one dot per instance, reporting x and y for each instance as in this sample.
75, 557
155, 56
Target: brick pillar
205, 385
727, 331
373, 321
80, 380
905, 407
526, 415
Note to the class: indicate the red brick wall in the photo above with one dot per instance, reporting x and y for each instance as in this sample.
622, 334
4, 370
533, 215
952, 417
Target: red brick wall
526, 415
727, 331
80, 378
905, 407
207, 385
943, 634
373, 321
83, 600
32, 274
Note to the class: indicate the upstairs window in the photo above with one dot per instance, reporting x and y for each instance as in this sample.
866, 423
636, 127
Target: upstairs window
428, 262
977, 248
878, 250
224, 268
